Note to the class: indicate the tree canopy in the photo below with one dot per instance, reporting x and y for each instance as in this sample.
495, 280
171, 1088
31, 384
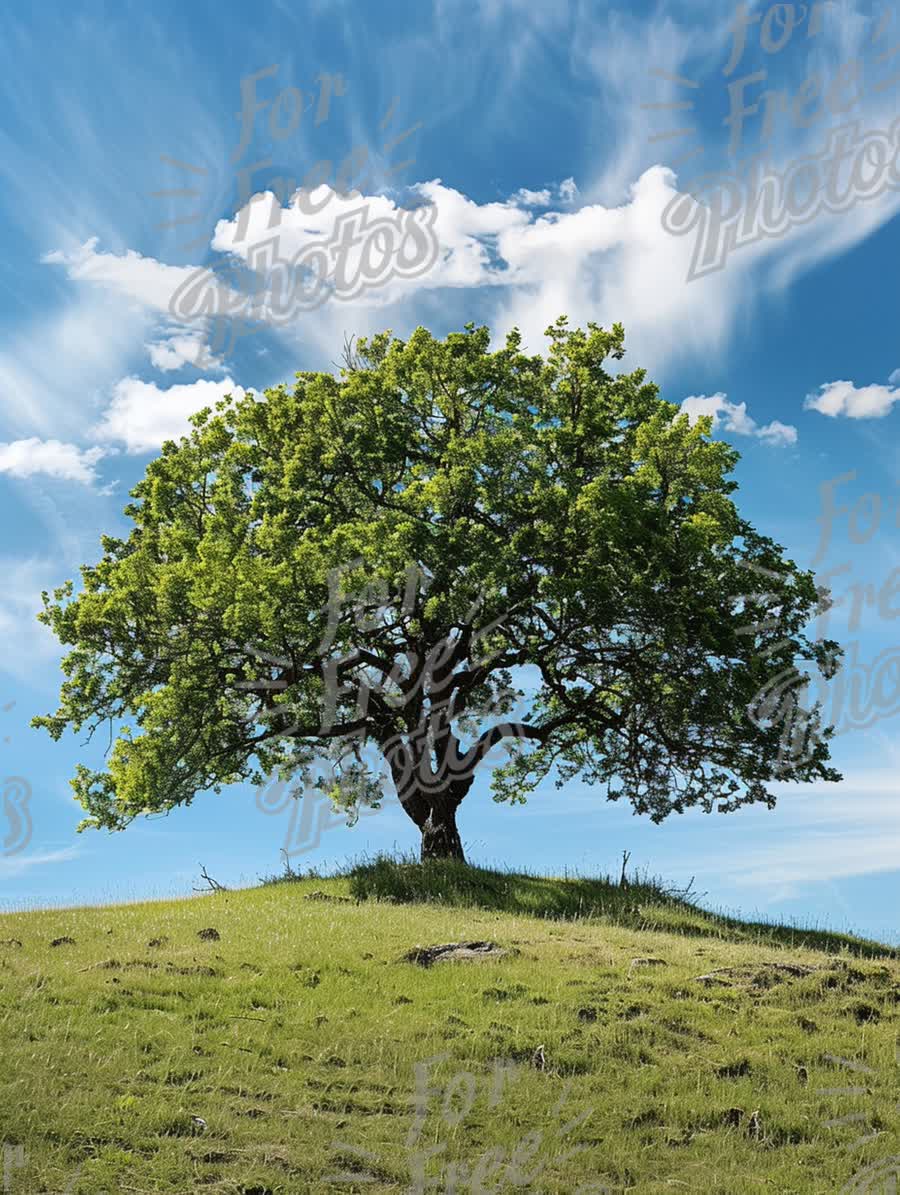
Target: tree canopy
437, 553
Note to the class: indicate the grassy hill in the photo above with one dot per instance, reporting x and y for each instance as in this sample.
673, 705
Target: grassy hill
619, 1039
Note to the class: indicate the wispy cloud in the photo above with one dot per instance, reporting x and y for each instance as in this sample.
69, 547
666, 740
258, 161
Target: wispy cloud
152, 283
16, 865
54, 369
27, 644
779, 869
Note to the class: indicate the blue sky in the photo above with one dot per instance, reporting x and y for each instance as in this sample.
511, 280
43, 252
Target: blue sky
545, 138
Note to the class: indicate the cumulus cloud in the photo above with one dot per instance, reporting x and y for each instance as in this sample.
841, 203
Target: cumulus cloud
615, 264
679, 44
522, 267
565, 192
521, 264
142, 416
777, 432
733, 417
463, 229
178, 349
856, 402
531, 198
51, 458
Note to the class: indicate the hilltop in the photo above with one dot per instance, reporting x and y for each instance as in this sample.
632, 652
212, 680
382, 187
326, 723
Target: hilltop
290, 1038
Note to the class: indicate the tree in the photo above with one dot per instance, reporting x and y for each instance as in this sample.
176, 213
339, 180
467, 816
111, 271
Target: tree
390, 559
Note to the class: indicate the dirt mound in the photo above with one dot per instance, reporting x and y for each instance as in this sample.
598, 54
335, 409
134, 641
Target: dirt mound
455, 952
762, 975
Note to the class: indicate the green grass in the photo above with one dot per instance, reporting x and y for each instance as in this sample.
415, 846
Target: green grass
296, 1035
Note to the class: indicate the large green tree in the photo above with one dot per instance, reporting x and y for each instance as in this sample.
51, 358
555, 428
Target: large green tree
436, 553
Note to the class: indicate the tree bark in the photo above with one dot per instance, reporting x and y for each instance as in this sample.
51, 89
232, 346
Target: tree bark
429, 801
435, 815
440, 837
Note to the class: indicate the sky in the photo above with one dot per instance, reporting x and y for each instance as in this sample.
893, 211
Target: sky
721, 179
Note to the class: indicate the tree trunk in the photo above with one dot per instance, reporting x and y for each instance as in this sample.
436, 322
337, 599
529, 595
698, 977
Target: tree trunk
430, 802
440, 837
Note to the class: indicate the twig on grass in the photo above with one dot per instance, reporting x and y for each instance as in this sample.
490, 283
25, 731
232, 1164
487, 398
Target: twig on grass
214, 885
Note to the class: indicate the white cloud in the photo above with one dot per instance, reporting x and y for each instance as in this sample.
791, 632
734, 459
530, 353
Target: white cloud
461, 227
531, 198
194, 293
179, 349
565, 192
619, 60
733, 417
851, 830
141, 415
603, 262
777, 432
52, 458
615, 264
16, 865
150, 282
863, 402
629, 60
521, 268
